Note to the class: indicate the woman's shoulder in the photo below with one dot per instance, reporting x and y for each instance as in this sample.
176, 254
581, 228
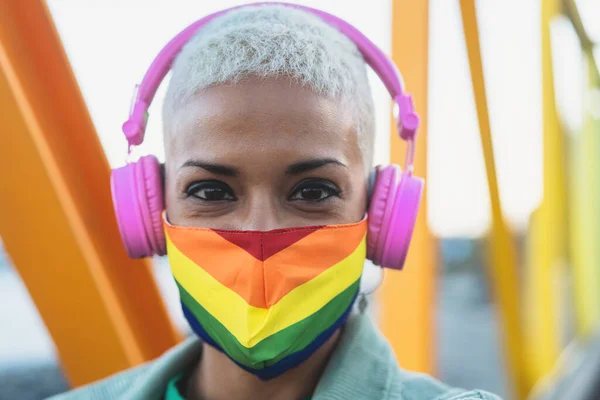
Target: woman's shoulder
364, 366
147, 381
415, 386
111, 387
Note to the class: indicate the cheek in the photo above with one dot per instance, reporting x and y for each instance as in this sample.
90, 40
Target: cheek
357, 206
173, 200
356, 203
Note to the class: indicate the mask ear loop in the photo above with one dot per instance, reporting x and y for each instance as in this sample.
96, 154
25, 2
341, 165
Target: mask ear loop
362, 301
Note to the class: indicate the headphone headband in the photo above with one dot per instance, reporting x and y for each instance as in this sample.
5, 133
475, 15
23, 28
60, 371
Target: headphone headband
407, 120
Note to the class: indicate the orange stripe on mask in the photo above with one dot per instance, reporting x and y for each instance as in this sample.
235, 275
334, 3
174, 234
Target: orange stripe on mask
282, 272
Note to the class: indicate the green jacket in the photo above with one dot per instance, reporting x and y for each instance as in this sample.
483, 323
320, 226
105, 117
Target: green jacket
363, 366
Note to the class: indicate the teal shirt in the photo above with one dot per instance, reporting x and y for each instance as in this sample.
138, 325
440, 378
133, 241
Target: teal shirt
172, 392
363, 366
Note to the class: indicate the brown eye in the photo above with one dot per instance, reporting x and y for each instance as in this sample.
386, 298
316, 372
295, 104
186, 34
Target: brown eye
211, 191
314, 191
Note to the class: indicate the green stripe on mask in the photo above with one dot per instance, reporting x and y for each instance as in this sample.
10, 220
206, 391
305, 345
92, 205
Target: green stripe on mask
279, 345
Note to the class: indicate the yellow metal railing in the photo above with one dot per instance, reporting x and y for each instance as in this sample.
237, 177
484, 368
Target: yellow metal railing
583, 205
585, 188
546, 250
501, 247
561, 242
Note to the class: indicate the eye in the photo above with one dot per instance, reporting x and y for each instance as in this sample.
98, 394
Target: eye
211, 191
314, 191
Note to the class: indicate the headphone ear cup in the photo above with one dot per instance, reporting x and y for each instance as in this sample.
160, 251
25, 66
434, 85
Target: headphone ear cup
392, 216
402, 221
139, 203
384, 181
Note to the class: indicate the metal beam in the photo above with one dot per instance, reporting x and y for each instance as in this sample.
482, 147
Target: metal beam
546, 265
103, 310
583, 204
501, 246
571, 10
408, 300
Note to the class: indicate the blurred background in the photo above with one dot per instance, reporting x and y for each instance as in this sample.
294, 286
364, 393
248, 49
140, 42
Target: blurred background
500, 291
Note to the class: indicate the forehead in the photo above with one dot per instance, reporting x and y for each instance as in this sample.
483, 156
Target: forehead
258, 121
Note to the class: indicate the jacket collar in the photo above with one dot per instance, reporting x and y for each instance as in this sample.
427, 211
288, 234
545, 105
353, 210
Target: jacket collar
362, 366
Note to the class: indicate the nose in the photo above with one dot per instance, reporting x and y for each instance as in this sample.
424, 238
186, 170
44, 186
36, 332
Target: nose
260, 211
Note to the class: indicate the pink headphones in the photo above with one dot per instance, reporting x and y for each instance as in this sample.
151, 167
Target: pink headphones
394, 195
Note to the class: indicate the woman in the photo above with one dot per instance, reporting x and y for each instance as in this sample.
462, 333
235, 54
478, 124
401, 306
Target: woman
268, 131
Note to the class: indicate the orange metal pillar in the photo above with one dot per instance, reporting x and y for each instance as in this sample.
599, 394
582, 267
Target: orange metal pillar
103, 311
501, 247
408, 307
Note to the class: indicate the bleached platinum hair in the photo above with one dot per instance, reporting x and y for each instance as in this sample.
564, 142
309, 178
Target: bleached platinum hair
273, 41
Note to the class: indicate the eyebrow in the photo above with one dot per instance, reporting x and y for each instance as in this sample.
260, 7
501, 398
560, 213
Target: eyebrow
309, 165
294, 169
217, 169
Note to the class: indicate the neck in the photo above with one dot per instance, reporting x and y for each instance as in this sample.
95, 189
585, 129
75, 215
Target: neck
217, 377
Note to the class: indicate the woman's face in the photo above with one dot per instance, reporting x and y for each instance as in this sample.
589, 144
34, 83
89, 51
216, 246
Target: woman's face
261, 155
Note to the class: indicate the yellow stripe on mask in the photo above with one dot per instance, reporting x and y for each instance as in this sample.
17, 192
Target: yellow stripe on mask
250, 324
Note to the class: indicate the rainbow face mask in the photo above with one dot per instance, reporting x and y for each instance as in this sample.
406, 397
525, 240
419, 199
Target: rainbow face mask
269, 299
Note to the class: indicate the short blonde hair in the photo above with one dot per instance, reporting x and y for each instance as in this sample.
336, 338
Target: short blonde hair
274, 41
